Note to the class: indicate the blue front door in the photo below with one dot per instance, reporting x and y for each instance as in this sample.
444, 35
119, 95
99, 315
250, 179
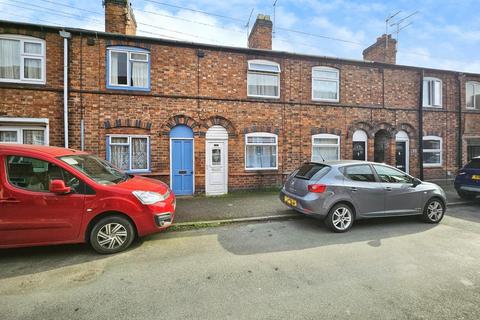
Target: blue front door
182, 166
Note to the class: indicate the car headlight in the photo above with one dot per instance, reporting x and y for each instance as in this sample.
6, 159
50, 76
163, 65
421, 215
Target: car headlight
149, 197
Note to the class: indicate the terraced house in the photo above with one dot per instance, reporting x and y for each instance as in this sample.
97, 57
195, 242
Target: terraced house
210, 119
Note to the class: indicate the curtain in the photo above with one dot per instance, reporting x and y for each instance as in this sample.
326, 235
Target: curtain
119, 156
8, 136
32, 48
262, 84
325, 89
34, 137
139, 74
32, 68
118, 68
9, 59
139, 153
261, 156
327, 153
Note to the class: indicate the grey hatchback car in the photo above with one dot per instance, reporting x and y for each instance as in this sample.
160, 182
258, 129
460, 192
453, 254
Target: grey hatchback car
341, 192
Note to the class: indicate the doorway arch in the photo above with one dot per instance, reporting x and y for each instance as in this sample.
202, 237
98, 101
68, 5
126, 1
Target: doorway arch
360, 145
182, 169
216, 161
402, 151
381, 146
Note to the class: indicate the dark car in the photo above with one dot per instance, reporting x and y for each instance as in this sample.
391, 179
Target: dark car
467, 182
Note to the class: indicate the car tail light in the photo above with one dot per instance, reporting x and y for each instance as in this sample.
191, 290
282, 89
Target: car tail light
317, 188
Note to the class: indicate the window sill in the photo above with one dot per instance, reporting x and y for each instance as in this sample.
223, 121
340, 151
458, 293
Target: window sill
325, 100
432, 166
433, 107
29, 82
264, 97
260, 169
128, 88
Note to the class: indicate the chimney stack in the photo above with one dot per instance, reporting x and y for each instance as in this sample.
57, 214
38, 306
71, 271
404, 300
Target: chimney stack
261, 35
119, 17
384, 50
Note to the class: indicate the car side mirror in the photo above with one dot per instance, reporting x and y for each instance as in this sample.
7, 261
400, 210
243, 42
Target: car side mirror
58, 187
416, 182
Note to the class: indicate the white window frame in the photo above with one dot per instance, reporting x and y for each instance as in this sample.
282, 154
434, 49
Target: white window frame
129, 53
129, 144
476, 86
325, 136
431, 92
262, 134
23, 56
252, 70
328, 69
436, 138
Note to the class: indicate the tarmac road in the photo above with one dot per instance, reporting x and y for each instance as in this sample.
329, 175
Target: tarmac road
382, 269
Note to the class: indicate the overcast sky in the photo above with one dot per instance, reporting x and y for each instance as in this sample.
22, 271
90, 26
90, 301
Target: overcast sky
444, 33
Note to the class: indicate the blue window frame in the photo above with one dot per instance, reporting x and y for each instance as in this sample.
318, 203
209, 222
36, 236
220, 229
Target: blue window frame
128, 68
130, 153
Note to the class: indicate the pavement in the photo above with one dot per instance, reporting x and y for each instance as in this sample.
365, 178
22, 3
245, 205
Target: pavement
254, 205
396, 268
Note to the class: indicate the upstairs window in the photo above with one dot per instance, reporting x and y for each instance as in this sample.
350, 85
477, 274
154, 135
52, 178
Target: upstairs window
129, 153
128, 68
22, 59
261, 151
432, 151
263, 79
432, 92
325, 147
473, 95
325, 84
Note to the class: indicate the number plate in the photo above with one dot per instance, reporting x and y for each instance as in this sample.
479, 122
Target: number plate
290, 201
476, 177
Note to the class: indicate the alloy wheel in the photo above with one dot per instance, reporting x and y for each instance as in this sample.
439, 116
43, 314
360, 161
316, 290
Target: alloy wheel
435, 211
111, 236
342, 218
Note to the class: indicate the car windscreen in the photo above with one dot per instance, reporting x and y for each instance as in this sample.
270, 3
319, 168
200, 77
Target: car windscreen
308, 170
95, 168
474, 164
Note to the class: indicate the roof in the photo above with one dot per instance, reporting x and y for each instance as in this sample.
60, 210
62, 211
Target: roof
42, 150
254, 51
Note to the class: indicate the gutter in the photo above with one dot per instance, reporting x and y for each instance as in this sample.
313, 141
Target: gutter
65, 35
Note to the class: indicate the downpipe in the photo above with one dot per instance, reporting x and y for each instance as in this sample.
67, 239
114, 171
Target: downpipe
65, 35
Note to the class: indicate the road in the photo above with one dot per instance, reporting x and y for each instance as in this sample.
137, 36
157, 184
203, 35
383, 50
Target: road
382, 269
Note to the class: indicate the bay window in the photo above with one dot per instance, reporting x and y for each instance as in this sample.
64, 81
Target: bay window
325, 84
128, 68
473, 95
263, 79
261, 151
22, 59
129, 152
432, 151
325, 147
432, 92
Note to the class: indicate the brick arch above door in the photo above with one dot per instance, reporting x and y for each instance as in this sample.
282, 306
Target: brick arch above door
220, 121
180, 120
127, 123
408, 128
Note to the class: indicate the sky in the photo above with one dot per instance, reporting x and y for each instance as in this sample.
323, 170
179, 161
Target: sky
443, 34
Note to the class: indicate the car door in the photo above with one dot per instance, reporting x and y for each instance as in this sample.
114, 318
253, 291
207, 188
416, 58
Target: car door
367, 194
401, 196
29, 213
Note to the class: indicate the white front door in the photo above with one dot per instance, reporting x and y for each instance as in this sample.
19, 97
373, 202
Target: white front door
216, 167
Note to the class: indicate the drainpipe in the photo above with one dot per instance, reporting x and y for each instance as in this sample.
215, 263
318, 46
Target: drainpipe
420, 127
65, 35
459, 133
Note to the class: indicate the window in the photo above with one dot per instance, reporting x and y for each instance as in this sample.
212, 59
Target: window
325, 84
432, 92
473, 95
129, 153
359, 147
25, 135
36, 175
128, 68
432, 151
22, 59
309, 170
390, 175
325, 147
261, 151
263, 79
361, 173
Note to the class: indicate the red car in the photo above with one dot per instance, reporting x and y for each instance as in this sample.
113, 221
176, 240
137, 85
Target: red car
52, 195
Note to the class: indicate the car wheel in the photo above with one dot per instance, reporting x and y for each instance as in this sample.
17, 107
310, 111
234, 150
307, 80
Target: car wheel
340, 218
466, 195
112, 234
434, 211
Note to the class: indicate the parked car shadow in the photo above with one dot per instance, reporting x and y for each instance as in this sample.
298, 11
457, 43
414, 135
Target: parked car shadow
23, 261
311, 233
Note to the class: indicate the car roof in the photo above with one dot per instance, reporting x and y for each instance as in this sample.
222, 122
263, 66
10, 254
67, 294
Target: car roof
341, 163
36, 149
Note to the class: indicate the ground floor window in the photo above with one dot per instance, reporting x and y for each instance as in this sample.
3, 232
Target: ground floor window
261, 151
129, 152
325, 147
432, 151
24, 135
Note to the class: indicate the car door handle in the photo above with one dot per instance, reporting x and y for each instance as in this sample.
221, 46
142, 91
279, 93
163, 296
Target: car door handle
353, 189
388, 188
9, 200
